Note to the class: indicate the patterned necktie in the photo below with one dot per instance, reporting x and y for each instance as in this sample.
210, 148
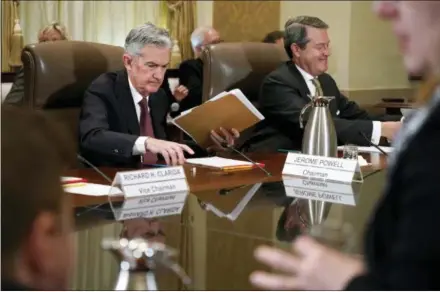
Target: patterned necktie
146, 126
317, 84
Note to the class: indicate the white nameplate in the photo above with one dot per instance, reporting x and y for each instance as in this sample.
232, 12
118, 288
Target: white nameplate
320, 167
155, 200
149, 212
148, 182
160, 187
149, 175
339, 193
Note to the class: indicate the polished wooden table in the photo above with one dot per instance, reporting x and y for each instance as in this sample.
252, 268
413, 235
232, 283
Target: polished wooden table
205, 179
215, 234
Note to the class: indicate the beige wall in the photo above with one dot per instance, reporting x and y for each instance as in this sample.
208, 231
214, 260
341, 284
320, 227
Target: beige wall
374, 60
246, 20
337, 15
365, 61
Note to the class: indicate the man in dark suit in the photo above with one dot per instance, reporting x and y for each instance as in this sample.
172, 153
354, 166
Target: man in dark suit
123, 116
191, 71
286, 91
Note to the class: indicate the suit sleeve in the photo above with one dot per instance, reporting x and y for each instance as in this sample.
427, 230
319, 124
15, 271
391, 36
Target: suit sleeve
16, 94
282, 104
190, 78
414, 260
95, 135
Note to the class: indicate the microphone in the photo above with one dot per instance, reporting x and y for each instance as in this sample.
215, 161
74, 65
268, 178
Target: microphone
82, 159
175, 106
227, 191
372, 144
226, 145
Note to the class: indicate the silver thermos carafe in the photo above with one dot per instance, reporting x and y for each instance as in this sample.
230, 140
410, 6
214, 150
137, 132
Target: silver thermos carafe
319, 139
319, 134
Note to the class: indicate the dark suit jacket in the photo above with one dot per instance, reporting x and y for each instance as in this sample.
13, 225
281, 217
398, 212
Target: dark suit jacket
402, 244
16, 94
191, 76
14, 286
284, 93
108, 126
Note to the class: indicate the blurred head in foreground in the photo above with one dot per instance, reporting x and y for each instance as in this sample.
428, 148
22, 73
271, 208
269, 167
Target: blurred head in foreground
416, 25
36, 219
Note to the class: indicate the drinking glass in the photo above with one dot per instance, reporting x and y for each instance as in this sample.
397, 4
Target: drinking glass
350, 152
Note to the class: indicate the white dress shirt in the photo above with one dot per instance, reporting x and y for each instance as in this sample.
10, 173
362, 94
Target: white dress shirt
139, 144
377, 126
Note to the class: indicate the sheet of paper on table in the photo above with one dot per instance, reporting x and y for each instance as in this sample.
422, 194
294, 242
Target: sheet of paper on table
90, 189
217, 162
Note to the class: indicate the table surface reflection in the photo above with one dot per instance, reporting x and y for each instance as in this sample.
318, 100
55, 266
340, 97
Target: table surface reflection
224, 218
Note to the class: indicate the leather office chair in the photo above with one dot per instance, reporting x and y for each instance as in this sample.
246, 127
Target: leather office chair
227, 66
58, 73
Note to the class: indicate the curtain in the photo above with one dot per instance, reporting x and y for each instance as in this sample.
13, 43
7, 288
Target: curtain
96, 21
12, 40
181, 21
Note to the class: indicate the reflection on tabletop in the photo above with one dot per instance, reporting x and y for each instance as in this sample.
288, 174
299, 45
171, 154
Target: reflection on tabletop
220, 222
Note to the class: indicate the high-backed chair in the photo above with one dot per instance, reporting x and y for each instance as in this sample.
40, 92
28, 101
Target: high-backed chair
228, 66
239, 65
58, 73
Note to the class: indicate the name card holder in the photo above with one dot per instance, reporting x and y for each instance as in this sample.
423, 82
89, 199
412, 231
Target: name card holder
148, 191
325, 191
323, 168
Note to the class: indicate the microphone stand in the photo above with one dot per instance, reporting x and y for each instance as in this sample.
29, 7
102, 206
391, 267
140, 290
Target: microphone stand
82, 159
226, 145
372, 144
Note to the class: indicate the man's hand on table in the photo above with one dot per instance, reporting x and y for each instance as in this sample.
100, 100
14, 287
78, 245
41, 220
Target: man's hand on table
172, 152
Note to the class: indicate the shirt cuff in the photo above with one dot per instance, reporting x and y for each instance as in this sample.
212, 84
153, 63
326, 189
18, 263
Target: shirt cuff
377, 132
139, 146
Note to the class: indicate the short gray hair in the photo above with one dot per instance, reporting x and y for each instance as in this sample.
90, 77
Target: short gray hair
198, 36
144, 35
296, 32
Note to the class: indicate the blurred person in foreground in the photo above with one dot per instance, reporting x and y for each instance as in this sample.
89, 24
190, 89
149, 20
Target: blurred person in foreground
123, 115
50, 33
37, 248
191, 71
275, 37
402, 242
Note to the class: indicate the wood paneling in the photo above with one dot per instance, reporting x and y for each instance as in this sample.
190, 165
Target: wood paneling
246, 20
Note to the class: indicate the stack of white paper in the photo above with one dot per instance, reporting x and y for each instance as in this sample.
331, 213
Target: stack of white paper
218, 162
90, 189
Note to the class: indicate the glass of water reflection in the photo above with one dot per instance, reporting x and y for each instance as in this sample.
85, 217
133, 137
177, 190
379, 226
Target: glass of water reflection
350, 152
335, 234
